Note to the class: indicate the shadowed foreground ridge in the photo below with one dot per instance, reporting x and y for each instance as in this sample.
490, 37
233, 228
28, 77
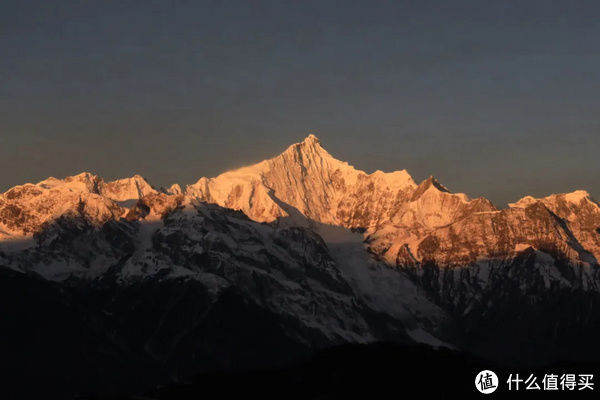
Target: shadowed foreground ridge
114, 287
366, 371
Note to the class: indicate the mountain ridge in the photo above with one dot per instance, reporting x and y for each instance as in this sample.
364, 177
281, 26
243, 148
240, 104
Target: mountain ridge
304, 176
311, 141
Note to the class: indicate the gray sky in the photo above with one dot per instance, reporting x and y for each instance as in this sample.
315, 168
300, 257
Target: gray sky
498, 99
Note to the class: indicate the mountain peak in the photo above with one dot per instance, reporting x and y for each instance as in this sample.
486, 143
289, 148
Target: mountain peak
432, 181
308, 149
125, 189
84, 182
311, 139
426, 184
577, 196
574, 198
309, 142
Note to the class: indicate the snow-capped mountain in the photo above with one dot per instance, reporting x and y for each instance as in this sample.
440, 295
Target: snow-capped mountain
309, 251
26, 208
307, 178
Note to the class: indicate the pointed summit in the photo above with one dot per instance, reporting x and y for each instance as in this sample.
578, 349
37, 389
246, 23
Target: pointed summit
306, 151
431, 181
311, 139
426, 184
309, 142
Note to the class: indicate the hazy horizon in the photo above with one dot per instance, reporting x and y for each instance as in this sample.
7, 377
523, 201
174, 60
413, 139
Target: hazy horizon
495, 100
